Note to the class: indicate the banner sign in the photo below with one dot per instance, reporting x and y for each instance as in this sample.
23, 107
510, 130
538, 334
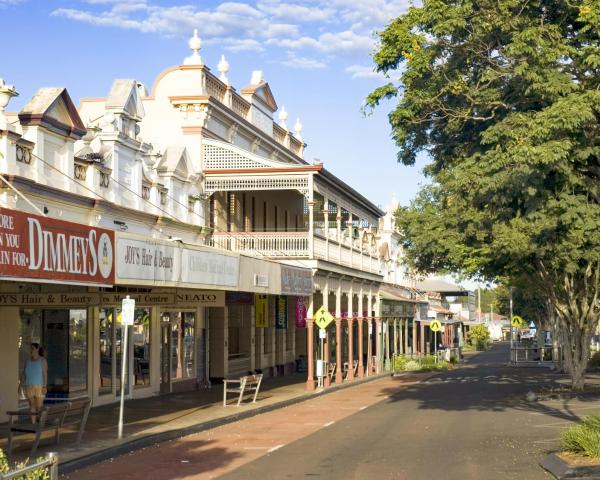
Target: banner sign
201, 298
281, 317
261, 308
42, 248
296, 281
239, 298
300, 312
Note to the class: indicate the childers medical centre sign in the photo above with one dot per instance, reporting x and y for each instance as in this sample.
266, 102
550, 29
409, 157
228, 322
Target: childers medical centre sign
41, 248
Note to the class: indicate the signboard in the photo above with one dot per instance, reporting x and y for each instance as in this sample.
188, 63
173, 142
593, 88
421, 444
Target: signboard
127, 310
281, 317
517, 322
155, 261
144, 260
261, 309
201, 298
209, 268
49, 299
435, 326
42, 248
296, 281
323, 318
145, 299
301, 312
239, 298
322, 333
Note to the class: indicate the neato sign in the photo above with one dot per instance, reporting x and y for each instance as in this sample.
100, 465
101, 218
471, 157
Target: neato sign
42, 248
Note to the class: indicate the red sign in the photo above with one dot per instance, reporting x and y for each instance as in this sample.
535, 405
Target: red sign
42, 248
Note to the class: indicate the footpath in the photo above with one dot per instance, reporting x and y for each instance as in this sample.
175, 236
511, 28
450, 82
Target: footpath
152, 420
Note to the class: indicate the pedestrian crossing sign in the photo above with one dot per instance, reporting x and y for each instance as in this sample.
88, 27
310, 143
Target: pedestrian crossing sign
517, 322
323, 317
435, 326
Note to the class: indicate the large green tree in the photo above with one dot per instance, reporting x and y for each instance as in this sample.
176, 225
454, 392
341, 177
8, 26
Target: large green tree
504, 98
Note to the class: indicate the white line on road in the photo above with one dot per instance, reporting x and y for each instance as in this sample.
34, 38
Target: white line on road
328, 424
272, 449
363, 407
256, 448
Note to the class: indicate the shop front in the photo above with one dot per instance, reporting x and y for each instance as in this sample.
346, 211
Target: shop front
46, 269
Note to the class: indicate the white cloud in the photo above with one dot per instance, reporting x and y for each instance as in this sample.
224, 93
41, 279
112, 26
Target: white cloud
302, 63
366, 71
6, 3
326, 28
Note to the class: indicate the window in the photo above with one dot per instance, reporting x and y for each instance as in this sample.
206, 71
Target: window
191, 204
164, 196
146, 192
183, 341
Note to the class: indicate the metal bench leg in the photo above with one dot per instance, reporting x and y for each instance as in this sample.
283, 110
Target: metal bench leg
36, 442
256, 391
224, 394
83, 423
10, 437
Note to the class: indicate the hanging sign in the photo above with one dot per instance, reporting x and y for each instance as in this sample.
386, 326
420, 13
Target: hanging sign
281, 320
300, 312
43, 248
261, 309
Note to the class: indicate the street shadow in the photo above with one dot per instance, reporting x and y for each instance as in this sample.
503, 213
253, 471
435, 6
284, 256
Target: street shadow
166, 461
486, 383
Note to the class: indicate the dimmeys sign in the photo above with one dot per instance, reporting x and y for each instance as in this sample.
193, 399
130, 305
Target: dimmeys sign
36, 247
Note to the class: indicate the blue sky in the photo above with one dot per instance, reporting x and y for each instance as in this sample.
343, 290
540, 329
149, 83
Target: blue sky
315, 54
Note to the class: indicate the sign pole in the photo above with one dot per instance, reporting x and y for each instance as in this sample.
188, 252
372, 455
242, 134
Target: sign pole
123, 370
127, 313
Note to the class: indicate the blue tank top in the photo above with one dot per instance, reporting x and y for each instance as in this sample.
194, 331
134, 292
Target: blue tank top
33, 372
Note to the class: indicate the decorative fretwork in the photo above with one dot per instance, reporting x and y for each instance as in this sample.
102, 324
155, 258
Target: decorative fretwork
104, 179
81, 171
215, 88
227, 157
23, 154
299, 183
240, 106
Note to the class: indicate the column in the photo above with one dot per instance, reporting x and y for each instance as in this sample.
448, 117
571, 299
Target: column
414, 336
338, 350
422, 338
310, 339
405, 336
339, 233
370, 333
350, 333
311, 228
351, 238
361, 321
325, 291
326, 219
378, 333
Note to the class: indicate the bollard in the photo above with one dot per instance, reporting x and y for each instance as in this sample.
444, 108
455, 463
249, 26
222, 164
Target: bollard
53, 465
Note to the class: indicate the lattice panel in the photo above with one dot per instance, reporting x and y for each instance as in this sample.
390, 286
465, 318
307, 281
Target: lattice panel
299, 183
218, 158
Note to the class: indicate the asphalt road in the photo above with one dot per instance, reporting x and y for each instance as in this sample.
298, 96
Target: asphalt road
471, 423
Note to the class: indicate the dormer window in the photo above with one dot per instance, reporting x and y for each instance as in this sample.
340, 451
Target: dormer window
146, 191
164, 197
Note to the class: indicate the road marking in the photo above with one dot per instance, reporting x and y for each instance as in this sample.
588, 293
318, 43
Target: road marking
273, 449
256, 448
328, 424
363, 407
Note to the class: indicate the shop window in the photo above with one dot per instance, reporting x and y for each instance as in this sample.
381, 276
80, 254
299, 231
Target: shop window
63, 336
111, 350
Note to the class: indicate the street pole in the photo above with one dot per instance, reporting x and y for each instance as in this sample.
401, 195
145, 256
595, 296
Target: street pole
479, 302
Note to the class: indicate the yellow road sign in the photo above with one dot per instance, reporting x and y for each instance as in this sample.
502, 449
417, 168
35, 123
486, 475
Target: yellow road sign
517, 321
435, 326
323, 318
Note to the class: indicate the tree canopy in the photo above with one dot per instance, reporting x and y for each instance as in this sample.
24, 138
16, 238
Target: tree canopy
504, 97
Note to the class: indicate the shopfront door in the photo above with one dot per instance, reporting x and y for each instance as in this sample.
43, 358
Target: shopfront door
178, 349
165, 355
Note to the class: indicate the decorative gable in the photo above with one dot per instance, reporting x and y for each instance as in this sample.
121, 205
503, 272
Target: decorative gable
124, 97
53, 109
175, 162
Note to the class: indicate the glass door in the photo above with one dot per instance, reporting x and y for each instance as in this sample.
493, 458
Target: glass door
165, 354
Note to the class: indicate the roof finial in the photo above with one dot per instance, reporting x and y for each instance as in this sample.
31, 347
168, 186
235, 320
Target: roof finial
6, 93
223, 68
283, 116
195, 44
298, 129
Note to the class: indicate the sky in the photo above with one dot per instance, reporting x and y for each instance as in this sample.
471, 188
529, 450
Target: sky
315, 54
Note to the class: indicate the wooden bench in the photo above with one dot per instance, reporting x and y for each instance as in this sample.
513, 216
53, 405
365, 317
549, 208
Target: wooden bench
243, 386
50, 417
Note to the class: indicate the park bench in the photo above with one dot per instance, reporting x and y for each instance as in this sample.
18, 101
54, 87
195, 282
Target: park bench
50, 417
354, 369
242, 386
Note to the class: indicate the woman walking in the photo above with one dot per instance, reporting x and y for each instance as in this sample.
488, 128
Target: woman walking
35, 376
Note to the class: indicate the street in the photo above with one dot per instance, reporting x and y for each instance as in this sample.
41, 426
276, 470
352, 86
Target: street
471, 422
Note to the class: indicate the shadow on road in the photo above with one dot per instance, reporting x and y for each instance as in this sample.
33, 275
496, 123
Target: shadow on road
486, 383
